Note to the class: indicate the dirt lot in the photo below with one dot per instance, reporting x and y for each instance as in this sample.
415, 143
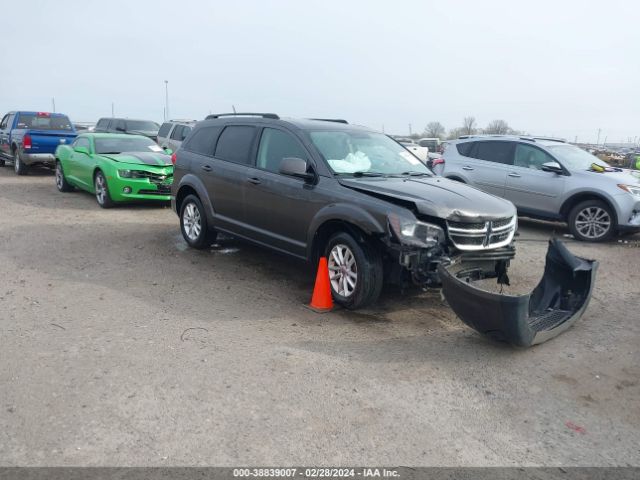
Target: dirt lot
120, 346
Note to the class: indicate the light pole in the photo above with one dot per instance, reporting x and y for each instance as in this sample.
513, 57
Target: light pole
166, 100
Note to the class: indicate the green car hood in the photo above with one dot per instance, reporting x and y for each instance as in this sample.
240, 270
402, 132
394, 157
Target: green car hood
140, 158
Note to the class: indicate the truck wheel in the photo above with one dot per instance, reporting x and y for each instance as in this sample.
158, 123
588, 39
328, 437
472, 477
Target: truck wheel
193, 224
102, 191
18, 165
592, 221
61, 181
355, 271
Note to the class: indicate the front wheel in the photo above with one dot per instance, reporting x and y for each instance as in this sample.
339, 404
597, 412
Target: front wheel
102, 191
18, 165
355, 271
61, 181
592, 221
193, 224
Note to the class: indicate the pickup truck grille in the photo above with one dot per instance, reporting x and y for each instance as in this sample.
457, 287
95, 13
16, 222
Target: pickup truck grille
482, 235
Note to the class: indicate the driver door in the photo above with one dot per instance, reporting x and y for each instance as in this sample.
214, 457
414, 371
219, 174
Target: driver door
82, 164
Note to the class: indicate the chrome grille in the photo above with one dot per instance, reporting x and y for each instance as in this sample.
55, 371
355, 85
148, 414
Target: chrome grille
482, 235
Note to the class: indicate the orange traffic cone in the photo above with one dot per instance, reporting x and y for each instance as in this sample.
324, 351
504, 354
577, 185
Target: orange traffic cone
322, 300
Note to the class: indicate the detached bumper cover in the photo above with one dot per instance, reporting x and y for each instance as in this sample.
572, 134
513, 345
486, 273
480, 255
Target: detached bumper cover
556, 303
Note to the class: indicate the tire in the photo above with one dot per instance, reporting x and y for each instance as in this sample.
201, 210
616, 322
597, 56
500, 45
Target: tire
592, 221
61, 180
355, 271
193, 224
102, 190
1, 162
18, 165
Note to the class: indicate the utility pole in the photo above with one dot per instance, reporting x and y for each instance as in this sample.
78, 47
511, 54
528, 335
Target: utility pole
598, 142
576, 139
112, 110
234, 108
383, 128
53, 104
409, 129
166, 100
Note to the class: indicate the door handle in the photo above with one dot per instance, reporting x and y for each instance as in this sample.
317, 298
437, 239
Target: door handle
254, 180
206, 168
467, 167
514, 174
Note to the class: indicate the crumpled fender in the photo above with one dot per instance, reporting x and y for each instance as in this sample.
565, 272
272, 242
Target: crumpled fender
556, 303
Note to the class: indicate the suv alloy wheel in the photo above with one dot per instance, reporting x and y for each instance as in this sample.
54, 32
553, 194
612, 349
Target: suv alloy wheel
592, 221
193, 224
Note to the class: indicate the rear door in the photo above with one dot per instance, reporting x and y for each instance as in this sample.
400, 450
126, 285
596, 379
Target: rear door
487, 164
5, 131
279, 208
528, 187
80, 168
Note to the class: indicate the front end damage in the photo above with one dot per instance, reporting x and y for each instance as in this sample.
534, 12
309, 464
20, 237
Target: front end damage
557, 302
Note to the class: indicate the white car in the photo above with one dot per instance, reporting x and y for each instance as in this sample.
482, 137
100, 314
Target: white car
421, 152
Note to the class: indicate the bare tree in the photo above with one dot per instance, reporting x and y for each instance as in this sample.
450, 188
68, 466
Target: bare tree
498, 127
455, 133
469, 126
434, 130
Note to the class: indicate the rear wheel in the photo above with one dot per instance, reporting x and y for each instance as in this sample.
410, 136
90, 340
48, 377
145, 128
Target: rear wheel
193, 224
18, 165
355, 271
592, 221
61, 181
102, 191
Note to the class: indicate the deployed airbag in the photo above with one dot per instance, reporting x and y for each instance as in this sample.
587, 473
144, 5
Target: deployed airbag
556, 303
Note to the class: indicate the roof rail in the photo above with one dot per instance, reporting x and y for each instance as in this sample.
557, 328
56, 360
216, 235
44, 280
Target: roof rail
550, 139
263, 115
335, 120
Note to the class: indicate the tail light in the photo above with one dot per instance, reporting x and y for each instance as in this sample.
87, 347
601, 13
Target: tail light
173, 158
437, 161
26, 141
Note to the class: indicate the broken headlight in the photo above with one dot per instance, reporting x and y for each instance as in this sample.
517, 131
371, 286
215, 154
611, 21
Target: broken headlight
414, 232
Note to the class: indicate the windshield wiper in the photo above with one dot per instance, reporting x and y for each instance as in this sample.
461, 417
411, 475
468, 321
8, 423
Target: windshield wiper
362, 174
413, 173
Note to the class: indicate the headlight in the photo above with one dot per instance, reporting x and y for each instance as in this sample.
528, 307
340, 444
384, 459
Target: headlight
632, 189
124, 173
414, 232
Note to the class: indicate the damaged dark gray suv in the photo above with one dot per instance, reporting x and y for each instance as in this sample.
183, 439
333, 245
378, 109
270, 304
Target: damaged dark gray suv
312, 188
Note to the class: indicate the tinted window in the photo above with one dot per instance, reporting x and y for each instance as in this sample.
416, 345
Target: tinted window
164, 130
464, 149
43, 121
118, 125
235, 144
126, 143
5, 122
498, 152
528, 156
102, 123
82, 142
276, 145
177, 133
142, 125
185, 131
203, 140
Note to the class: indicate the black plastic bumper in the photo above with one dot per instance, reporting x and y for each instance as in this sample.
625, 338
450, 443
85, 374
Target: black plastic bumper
556, 303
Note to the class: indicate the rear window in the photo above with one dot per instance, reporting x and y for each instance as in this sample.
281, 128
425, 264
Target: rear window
103, 123
43, 122
142, 126
164, 130
235, 144
203, 140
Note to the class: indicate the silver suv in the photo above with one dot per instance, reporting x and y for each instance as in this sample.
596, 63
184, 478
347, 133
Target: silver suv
549, 179
173, 132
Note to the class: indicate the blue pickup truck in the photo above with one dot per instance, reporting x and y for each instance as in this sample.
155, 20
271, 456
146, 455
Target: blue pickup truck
31, 138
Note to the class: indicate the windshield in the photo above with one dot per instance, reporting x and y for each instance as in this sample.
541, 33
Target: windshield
142, 126
128, 144
363, 152
43, 122
574, 158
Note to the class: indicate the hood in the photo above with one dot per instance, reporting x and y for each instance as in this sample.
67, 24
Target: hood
625, 176
141, 158
437, 197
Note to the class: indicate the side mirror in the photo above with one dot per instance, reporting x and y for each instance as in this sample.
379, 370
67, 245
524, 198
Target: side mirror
296, 167
84, 150
552, 167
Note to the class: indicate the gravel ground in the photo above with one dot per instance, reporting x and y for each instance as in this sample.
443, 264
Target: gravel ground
121, 346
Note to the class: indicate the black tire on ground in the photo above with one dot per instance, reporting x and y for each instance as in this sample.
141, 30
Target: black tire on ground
18, 165
369, 272
592, 221
1, 162
194, 225
61, 180
102, 190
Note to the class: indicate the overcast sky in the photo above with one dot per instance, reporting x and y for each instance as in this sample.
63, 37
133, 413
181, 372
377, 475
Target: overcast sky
561, 68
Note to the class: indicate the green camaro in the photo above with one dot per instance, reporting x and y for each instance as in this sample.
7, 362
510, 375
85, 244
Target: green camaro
115, 167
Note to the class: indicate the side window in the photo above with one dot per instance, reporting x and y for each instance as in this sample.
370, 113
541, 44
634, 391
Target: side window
82, 142
164, 130
465, 148
276, 145
5, 122
528, 156
203, 140
498, 152
235, 144
185, 131
177, 133
102, 123
119, 126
